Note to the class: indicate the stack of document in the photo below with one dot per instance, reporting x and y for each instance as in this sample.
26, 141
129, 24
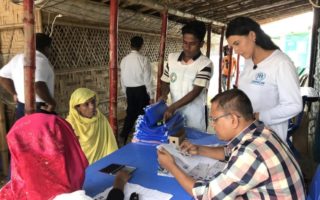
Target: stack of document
198, 167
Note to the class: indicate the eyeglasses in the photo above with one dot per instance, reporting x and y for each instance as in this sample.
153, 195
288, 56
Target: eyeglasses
215, 119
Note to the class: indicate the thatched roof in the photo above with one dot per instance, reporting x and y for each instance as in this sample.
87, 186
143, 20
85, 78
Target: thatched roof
144, 15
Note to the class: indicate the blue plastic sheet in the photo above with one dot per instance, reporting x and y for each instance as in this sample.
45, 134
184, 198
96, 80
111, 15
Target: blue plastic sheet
154, 113
150, 127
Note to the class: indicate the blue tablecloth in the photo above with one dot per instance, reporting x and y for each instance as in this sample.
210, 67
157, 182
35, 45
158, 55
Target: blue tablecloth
144, 158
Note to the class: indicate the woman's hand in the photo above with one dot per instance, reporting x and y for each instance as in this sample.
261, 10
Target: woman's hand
121, 179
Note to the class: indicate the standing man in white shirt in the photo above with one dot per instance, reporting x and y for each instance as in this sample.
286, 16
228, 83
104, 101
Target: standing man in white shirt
136, 83
12, 78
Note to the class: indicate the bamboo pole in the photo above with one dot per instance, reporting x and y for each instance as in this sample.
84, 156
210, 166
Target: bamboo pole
230, 67
220, 57
3, 141
113, 65
157, 6
238, 70
29, 56
208, 41
163, 38
314, 44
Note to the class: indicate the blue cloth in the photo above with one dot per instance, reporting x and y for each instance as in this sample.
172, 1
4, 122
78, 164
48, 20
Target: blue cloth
314, 192
201, 138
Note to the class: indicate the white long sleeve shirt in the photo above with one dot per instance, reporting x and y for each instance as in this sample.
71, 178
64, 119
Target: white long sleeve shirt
136, 71
274, 90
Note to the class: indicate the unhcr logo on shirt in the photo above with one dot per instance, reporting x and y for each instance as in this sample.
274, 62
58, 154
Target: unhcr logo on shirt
259, 79
173, 77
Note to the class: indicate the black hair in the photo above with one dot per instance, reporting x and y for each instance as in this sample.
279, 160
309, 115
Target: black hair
226, 50
243, 25
234, 101
136, 42
42, 41
196, 28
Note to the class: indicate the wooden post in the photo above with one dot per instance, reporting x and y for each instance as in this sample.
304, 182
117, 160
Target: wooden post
314, 44
220, 57
163, 38
230, 50
208, 40
113, 65
29, 56
3, 141
238, 70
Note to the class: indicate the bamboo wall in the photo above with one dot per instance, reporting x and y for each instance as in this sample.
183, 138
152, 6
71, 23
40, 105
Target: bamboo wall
79, 53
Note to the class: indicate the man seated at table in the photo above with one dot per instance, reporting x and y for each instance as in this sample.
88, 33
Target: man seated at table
259, 165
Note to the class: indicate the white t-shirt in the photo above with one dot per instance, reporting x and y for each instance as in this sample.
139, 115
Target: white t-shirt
136, 71
182, 78
274, 91
14, 70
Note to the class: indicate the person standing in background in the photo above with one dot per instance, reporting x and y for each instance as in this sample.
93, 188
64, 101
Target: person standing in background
269, 77
186, 77
136, 83
225, 68
12, 78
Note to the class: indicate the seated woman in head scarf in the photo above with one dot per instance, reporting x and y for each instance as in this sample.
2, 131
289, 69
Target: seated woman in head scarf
46, 159
90, 125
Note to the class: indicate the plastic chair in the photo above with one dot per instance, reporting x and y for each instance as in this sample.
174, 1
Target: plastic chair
294, 124
314, 190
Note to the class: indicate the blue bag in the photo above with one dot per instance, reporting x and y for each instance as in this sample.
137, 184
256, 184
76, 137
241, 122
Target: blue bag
154, 113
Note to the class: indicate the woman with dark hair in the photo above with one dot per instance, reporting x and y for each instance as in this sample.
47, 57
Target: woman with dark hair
269, 77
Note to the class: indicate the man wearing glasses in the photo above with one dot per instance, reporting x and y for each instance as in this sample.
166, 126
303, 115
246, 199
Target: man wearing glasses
259, 165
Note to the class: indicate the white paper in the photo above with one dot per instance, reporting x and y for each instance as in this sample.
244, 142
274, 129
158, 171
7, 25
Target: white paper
144, 193
198, 167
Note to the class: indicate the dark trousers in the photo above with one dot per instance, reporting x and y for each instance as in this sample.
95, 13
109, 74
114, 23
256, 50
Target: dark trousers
137, 99
20, 109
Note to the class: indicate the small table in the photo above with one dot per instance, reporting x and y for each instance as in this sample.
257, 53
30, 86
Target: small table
144, 158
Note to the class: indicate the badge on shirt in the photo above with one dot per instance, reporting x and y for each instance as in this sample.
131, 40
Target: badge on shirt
173, 77
259, 79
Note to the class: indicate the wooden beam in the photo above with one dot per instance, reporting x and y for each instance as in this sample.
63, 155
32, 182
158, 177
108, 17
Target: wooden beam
155, 5
270, 6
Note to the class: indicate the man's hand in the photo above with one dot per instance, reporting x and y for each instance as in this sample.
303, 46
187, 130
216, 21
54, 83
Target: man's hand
164, 98
189, 148
165, 159
48, 107
256, 115
169, 113
15, 98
